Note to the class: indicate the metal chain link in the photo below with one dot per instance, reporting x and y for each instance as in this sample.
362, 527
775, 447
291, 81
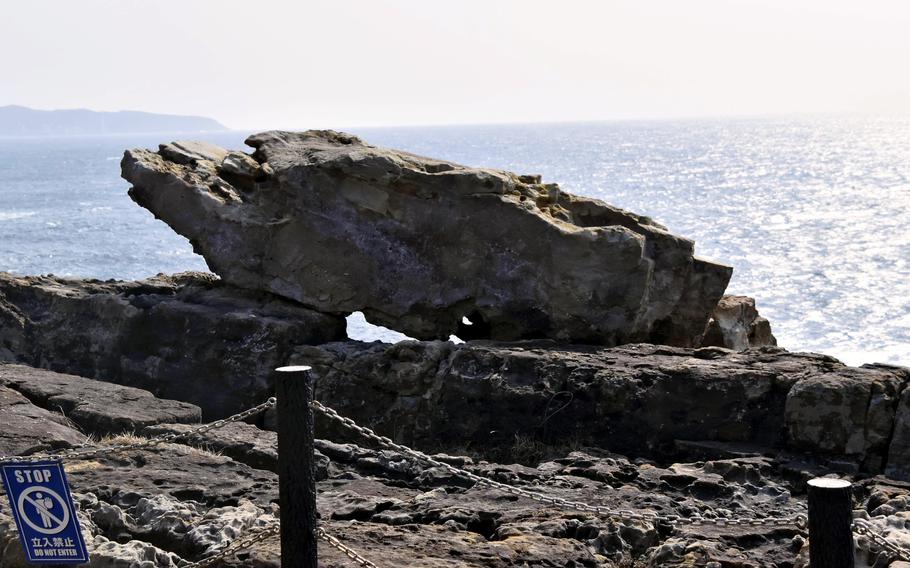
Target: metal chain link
81, 453
237, 545
349, 552
800, 520
268, 532
867, 529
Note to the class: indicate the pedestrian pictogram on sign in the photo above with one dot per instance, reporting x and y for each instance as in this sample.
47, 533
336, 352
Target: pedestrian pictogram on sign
39, 497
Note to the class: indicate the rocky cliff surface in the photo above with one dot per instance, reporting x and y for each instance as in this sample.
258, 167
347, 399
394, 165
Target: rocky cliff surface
636, 399
160, 506
189, 337
196, 339
427, 247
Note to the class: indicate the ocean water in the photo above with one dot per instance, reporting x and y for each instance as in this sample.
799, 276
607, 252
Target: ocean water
813, 213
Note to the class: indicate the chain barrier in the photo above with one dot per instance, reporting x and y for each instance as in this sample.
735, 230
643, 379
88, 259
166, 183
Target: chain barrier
82, 452
860, 527
349, 552
867, 529
237, 545
268, 532
800, 520
229, 549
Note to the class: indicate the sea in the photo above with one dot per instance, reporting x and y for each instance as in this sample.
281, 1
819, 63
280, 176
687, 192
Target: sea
813, 212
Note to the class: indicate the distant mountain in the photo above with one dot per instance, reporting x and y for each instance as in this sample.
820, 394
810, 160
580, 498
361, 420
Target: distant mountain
23, 121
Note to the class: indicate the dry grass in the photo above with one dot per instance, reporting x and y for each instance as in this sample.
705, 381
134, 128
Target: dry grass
132, 438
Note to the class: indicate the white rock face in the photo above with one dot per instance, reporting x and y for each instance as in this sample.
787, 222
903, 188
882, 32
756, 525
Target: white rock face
418, 244
735, 324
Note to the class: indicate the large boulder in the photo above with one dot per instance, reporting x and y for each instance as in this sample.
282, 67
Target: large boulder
188, 337
427, 247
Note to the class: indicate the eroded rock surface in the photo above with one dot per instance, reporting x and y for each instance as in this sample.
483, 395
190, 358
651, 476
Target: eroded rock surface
160, 507
96, 407
637, 399
736, 324
418, 244
899, 466
187, 337
26, 428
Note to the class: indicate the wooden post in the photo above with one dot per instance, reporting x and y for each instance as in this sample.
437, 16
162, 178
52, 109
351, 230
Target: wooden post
296, 466
830, 523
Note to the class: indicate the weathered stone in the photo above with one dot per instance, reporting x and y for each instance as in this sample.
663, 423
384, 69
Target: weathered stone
382, 517
133, 554
240, 441
98, 408
845, 411
899, 451
26, 429
188, 337
161, 506
190, 152
418, 245
637, 399
735, 324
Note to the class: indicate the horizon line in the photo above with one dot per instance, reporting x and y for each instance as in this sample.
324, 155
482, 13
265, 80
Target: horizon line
506, 123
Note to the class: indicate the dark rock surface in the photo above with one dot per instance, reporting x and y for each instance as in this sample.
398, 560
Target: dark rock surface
188, 337
240, 441
899, 466
155, 508
636, 399
27, 429
98, 408
325, 219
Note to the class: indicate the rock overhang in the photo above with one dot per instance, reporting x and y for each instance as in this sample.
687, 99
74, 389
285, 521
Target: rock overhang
418, 244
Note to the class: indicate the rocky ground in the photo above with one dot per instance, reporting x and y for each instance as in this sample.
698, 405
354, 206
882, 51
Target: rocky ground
156, 507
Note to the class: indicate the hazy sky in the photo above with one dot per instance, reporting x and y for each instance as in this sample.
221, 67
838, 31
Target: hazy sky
295, 64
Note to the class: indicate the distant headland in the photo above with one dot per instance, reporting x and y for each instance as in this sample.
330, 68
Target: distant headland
20, 121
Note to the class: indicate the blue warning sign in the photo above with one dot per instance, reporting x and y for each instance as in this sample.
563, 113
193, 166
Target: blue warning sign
40, 499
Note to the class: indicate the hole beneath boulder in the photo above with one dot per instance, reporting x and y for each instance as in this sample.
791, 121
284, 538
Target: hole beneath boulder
361, 330
473, 326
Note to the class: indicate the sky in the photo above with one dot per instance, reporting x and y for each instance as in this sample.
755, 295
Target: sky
348, 63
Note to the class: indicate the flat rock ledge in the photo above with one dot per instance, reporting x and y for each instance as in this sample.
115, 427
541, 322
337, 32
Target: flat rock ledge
635, 399
96, 408
188, 337
427, 247
160, 507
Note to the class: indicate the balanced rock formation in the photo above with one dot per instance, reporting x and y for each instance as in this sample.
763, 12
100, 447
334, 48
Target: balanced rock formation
426, 247
188, 337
